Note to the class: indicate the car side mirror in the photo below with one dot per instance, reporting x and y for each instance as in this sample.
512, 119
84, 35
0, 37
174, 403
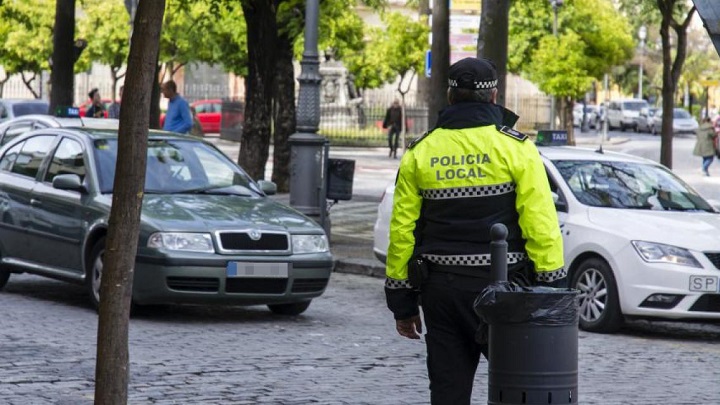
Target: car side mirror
267, 187
560, 205
68, 182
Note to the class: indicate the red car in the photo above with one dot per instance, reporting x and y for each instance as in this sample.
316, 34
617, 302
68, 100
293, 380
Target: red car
84, 106
209, 112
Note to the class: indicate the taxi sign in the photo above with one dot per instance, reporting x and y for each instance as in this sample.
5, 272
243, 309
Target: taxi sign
67, 112
551, 138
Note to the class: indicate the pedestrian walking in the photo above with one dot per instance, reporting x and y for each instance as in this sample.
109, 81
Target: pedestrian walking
705, 145
177, 117
471, 171
114, 108
393, 123
96, 109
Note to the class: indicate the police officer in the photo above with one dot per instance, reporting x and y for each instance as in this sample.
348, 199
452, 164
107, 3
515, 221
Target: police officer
470, 172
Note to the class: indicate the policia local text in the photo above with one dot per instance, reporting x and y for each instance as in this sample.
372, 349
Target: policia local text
451, 172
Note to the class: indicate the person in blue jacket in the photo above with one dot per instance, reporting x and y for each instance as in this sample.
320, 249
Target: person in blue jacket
178, 117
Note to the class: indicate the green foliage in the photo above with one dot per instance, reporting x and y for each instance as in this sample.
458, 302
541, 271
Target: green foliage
27, 27
370, 65
593, 37
393, 52
230, 38
187, 33
108, 38
559, 66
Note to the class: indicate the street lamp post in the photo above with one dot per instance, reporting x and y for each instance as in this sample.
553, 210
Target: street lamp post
642, 34
556, 4
308, 150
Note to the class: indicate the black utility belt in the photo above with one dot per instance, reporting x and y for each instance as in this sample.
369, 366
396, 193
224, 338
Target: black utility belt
468, 271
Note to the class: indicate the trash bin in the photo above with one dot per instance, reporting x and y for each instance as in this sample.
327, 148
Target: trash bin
340, 179
532, 342
232, 119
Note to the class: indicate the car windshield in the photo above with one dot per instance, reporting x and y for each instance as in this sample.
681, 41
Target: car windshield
29, 108
681, 114
179, 167
629, 185
634, 106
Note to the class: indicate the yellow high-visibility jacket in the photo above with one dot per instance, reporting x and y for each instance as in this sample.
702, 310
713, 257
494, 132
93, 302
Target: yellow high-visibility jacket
453, 185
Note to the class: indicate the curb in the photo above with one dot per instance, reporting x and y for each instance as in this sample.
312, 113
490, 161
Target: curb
363, 267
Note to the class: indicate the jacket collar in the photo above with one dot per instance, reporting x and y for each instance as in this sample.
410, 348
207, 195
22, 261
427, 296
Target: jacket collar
470, 115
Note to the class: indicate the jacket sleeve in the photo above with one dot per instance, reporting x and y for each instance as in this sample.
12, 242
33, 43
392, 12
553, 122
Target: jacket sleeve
401, 298
538, 217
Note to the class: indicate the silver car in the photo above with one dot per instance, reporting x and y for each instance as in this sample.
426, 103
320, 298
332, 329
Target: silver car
11, 108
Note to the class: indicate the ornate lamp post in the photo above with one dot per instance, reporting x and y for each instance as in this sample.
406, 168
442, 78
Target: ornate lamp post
556, 4
308, 150
642, 34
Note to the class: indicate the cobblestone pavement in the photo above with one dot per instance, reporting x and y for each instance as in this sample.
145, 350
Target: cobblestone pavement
343, 350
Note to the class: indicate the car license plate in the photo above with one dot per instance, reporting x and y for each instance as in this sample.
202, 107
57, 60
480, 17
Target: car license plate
258, 270
704, 284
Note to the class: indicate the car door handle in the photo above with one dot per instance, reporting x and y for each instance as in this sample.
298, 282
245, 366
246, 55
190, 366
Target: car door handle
35, 203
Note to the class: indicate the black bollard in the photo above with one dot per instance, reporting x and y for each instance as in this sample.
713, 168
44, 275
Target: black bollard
498, 252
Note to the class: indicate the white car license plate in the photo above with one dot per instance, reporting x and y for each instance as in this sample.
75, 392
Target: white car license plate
704, 284
258, 270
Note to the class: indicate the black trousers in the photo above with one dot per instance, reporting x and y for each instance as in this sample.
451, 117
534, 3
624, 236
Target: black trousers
452, 353
393, 138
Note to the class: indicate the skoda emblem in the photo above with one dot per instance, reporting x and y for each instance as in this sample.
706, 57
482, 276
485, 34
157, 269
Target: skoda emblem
254, 234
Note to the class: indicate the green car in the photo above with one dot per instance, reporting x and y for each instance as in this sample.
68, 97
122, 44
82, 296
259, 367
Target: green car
208, 234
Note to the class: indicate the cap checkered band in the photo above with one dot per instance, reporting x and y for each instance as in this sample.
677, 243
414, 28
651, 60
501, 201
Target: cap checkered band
550, 276
472, 260
461, 192
393, 284
478, 85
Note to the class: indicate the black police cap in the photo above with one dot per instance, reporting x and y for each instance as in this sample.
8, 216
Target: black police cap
473, 74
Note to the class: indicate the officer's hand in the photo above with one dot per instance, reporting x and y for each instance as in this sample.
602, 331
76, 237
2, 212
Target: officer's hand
410, 328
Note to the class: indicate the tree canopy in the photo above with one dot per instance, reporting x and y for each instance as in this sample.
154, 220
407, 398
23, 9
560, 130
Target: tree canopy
592, 37
26, 51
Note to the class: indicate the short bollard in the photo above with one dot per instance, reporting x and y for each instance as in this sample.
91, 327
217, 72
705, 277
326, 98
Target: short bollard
532, 339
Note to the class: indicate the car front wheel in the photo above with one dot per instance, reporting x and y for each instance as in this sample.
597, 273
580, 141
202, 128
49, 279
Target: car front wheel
94, 272
4, 277
292, 309
599, 304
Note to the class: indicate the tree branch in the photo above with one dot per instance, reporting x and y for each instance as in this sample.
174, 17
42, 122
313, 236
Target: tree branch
28, 83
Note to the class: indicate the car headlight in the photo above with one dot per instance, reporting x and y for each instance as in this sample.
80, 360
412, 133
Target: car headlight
309, 243
186, 242
659, 253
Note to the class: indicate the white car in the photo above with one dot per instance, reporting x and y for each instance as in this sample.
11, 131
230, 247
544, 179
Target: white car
638, 241
683, 122
591, 115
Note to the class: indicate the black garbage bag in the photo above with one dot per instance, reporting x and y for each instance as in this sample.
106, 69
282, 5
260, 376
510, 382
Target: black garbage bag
504, 302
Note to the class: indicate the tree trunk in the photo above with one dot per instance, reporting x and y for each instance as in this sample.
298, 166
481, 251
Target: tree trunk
493, 39
668, 95
2, 85
154, 99
114, 78
671, 71
567, 114
440, 63
63, 57
262, 45
423, 82
284, 115
112, 368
